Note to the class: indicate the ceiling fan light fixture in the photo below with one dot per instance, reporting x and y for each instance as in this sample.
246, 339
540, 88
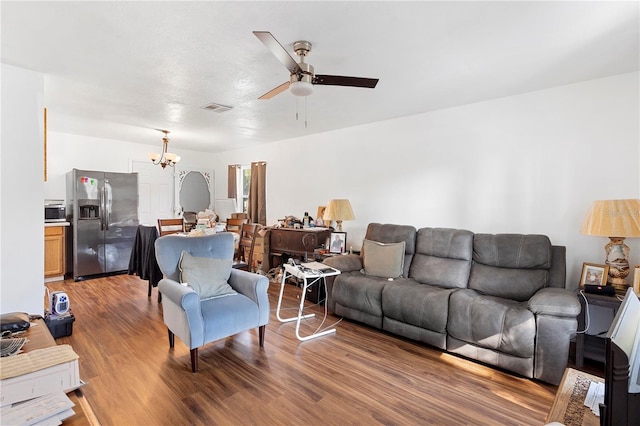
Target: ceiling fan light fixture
301, 88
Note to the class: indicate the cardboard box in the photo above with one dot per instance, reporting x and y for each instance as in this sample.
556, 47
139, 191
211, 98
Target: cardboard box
261, 251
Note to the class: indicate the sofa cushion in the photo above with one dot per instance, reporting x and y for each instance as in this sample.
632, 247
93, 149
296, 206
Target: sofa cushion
490, 322
389, 233
417, 304
512, 251
516, 284
511, 266
443, 257
360, 292
383, 260
208, 277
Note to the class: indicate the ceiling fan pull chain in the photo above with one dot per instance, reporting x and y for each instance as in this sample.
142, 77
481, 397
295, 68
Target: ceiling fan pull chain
297, 107
305, 112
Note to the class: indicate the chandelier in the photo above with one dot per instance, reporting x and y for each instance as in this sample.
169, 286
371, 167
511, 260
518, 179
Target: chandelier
166, 158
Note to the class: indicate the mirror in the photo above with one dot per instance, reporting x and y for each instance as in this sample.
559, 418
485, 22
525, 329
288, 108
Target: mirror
194, 193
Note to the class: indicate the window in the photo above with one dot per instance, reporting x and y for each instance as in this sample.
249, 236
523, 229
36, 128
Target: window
243, 180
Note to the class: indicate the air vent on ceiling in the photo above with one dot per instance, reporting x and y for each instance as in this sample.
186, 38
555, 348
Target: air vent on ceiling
217, 107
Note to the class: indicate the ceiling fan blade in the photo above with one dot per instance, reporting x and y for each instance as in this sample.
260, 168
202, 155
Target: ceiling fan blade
338, 80
273, 92
278, 51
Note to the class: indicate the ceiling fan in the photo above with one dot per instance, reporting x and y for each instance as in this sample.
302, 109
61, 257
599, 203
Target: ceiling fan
302, 78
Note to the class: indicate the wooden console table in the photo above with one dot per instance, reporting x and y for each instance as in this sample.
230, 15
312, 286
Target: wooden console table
568, 407
296, 242
40, 338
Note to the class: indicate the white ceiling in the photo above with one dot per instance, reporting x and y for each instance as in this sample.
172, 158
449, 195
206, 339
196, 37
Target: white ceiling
119, 70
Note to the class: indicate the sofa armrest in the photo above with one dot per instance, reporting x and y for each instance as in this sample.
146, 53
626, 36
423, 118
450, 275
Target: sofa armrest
555, 310
558, 302
345, 262
255, 287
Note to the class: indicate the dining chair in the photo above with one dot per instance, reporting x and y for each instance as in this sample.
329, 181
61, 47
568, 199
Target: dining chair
235, 225
244, 256
170, 226
142, 261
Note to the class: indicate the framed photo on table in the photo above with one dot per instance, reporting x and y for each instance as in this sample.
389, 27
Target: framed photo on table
320, 216
594, 274
337, 242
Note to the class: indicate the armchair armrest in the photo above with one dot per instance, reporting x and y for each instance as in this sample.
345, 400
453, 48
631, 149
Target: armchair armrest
255, 287
179, 294
181, 312
558, 302
345, 262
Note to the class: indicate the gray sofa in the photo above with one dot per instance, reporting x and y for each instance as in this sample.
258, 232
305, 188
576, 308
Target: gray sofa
499, 299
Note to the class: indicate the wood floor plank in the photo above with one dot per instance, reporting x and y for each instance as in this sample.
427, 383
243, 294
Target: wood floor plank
359, 375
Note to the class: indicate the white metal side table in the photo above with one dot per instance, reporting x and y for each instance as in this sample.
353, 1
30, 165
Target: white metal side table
309, 278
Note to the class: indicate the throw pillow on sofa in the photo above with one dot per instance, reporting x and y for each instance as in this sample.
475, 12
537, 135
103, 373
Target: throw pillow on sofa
208, 277
383, 260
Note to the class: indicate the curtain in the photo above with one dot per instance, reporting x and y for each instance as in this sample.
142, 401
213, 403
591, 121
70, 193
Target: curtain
258, 193
232, 183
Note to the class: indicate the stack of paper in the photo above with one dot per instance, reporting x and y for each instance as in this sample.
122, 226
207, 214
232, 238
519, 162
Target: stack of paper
595, 397
50, 409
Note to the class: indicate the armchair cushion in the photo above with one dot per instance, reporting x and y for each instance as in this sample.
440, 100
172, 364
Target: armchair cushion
383, 260
207, 276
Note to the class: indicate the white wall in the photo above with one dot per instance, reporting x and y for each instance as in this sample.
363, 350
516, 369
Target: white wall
21, 177
67, 151
531, 163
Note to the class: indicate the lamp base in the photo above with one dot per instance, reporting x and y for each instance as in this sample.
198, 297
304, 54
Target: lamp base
618, 262
338, 225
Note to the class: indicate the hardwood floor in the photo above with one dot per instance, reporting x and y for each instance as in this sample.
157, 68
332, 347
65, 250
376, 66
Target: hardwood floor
357, 376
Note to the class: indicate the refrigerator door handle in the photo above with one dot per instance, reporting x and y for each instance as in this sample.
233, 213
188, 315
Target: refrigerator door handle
102, 205
107, 202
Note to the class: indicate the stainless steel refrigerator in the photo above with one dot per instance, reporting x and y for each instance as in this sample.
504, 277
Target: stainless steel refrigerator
103, 210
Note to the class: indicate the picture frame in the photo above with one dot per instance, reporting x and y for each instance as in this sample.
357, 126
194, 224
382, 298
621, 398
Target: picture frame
320, 215
594, 274
636, 280
338, 242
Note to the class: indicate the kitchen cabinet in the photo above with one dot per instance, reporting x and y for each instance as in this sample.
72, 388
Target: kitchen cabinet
54, 252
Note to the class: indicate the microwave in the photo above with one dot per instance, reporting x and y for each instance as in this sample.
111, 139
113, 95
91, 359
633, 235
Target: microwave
55, 212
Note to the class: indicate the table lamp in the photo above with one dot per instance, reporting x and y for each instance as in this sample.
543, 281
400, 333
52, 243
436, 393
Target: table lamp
616, 219
338, 210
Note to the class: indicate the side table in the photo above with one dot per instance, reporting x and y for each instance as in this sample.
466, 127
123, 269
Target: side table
309, 278
590, 346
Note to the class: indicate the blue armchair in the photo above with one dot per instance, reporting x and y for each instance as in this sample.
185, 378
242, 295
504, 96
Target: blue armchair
195, 321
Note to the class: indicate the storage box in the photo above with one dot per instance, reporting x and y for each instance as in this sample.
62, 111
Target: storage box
60, 325
261, 250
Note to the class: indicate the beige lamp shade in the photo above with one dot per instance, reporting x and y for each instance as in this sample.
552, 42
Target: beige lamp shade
339, 210
616, 219
613, 218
